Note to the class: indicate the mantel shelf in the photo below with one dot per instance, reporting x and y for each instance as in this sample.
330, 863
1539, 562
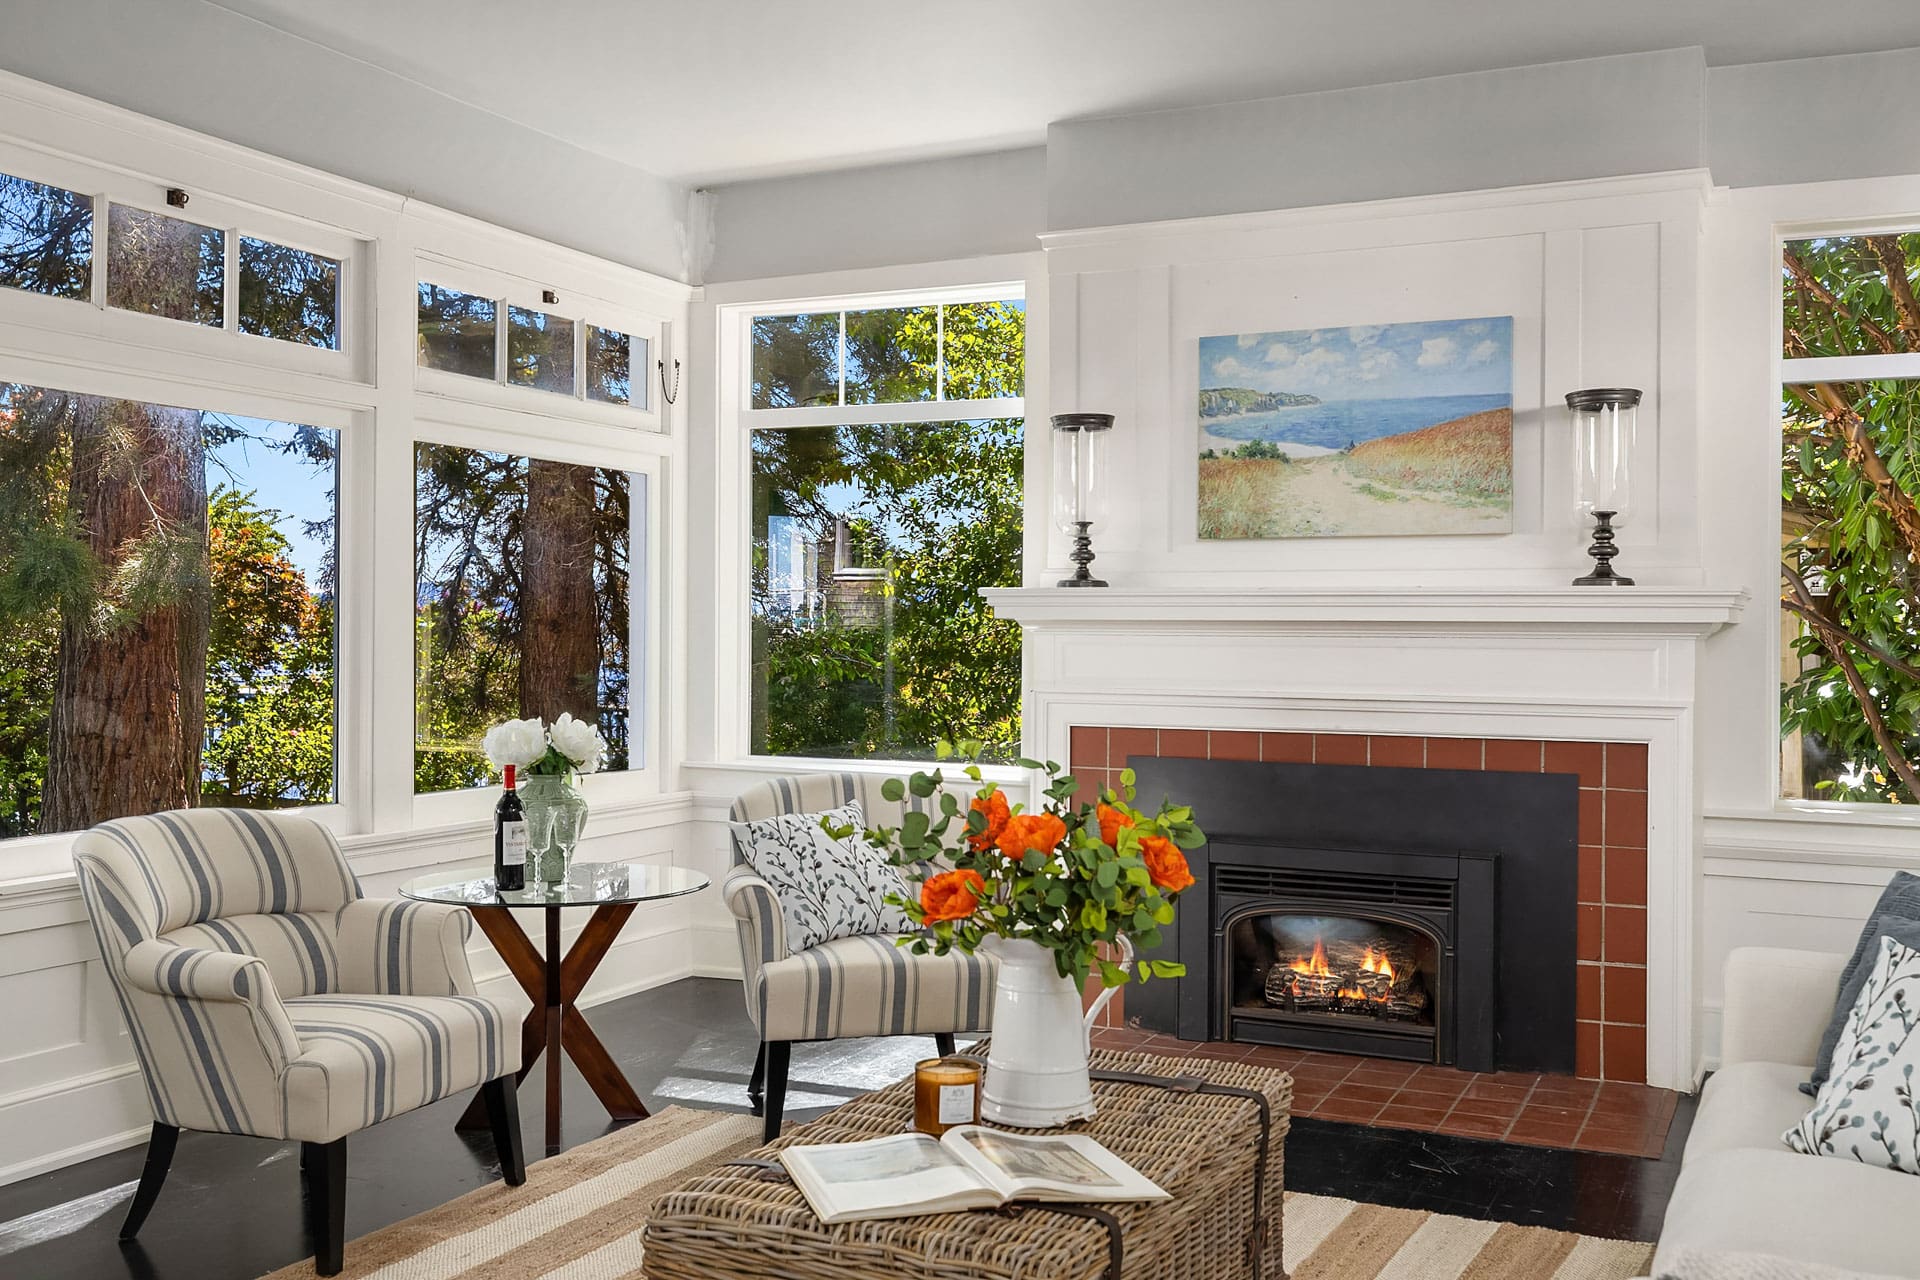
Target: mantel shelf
1659, 610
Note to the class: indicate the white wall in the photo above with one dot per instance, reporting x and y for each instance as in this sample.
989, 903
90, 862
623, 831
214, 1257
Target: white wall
210, 69
1638, 113
925, 211
1599, 278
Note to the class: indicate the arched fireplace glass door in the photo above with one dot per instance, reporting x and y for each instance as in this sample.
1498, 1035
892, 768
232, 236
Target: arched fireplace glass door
1366, 977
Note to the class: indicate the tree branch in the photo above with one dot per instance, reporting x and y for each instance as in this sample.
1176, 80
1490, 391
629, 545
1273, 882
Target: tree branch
1858, 443
1824, 295
1893, 264
1802, 605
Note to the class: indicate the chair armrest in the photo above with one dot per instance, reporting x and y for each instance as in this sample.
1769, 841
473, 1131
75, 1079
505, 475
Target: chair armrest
1778, 1003
762, 929
398, 947
166, 969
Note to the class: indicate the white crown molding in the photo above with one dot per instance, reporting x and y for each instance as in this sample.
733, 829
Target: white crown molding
1653, 610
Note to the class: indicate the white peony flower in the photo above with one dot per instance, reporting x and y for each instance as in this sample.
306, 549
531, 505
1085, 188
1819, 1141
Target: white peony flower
516, 742
579, 741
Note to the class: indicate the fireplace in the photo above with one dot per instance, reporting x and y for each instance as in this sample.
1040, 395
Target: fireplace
1420, 914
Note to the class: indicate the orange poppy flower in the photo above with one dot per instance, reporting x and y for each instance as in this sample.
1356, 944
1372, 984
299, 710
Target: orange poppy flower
951, 895
997, 811
1042, 832
1111, 822
1166, 864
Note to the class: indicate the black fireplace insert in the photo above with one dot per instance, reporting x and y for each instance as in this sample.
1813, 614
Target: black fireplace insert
1421, 914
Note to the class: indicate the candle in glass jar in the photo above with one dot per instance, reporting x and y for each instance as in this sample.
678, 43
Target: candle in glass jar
946, 1092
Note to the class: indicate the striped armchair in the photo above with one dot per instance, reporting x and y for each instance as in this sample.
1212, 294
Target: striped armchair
863, 986
265, 996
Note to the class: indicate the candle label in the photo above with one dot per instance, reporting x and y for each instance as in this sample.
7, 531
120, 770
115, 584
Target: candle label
956, 1104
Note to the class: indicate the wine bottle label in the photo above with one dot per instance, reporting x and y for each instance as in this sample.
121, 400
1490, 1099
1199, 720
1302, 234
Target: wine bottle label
513, 844
956, 1104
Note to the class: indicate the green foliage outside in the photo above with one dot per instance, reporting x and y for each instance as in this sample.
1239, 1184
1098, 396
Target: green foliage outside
270, 652
876, 642
1850, 528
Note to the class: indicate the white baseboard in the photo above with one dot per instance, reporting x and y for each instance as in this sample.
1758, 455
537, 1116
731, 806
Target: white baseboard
107, 1109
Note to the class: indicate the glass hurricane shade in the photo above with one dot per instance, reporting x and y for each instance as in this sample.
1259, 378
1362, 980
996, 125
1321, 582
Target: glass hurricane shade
1605, 421
1079, 468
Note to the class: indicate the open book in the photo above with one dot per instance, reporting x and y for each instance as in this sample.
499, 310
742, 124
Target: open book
971, 1167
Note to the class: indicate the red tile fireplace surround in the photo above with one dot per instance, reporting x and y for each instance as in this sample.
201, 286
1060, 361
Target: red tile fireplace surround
1611, 923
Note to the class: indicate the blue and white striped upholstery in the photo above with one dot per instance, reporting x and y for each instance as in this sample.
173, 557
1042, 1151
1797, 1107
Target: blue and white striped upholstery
264, 995
850, 986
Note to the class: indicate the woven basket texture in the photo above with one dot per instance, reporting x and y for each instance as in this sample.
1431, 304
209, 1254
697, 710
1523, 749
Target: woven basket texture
1202, 1148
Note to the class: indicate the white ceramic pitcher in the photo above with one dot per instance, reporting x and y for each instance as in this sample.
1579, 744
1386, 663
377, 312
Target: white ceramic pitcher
1037, 1062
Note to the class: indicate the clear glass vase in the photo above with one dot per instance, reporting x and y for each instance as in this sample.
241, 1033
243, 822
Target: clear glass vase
556, 817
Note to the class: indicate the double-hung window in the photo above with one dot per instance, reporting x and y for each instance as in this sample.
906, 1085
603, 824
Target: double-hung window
885, 443
1850, 526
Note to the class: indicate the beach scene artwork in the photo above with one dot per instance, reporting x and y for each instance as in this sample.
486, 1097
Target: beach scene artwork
1368, 430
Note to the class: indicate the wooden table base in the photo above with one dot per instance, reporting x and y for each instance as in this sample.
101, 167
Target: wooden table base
554, 984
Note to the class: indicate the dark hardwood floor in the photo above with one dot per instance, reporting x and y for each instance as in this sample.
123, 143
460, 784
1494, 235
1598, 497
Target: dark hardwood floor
231, 1209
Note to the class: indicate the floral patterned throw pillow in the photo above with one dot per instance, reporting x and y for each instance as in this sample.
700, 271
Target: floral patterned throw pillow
1867, 1109
827, 888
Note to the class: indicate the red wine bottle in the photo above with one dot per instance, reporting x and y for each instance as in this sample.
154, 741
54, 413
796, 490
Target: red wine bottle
510, 840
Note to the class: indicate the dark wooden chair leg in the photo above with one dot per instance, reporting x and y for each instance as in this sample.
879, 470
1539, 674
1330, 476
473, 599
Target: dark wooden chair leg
503, 1114
756, 1083
160, 1146
943, 1041
778, 1054
326, 1166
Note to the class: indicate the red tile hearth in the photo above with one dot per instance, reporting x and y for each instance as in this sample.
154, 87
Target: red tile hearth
1610, 1037
1534, 1110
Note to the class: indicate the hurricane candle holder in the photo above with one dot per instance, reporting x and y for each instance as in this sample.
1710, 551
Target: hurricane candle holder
1605, 424
1079, 486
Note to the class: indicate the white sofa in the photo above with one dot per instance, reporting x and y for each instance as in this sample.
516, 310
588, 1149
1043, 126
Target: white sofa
1741, 1189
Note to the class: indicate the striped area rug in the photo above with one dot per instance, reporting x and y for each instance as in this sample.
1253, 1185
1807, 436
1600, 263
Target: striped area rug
580, 1215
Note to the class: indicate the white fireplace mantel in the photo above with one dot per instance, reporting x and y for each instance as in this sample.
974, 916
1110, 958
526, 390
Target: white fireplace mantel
1666, 610
1552, 664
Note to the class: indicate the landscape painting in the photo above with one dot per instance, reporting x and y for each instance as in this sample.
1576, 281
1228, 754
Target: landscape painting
1369, 430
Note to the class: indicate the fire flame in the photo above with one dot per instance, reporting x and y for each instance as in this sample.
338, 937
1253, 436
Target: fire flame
1376, 962
1317, 964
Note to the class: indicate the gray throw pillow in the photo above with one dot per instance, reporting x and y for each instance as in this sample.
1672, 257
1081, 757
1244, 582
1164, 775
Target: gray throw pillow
827, 888
1900, 900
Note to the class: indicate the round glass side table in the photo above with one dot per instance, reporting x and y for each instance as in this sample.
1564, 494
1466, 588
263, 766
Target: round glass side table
553, 982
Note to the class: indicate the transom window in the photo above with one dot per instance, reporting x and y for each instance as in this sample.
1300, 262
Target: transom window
160, 264
490, 338
886, 446
1850, 528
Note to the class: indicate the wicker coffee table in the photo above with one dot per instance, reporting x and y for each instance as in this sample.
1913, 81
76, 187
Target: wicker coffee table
1203, 1147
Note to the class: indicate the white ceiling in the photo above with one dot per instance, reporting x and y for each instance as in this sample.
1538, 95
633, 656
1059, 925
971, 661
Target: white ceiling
710, 91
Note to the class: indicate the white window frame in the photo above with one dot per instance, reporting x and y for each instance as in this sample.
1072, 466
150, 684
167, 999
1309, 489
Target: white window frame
366, 390
738, 420
1904, 366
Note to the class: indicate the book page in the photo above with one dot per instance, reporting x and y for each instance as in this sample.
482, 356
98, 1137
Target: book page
910, 1173
1050, 1167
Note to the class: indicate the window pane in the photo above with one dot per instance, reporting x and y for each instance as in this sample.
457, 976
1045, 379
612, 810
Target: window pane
985, 350
796, 360
165, 266
521, 603
456, 332
870, 544
145, 550
891, 355
1842, 295
46, 239
539, 350
289, 294
1847, 630
611, 358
